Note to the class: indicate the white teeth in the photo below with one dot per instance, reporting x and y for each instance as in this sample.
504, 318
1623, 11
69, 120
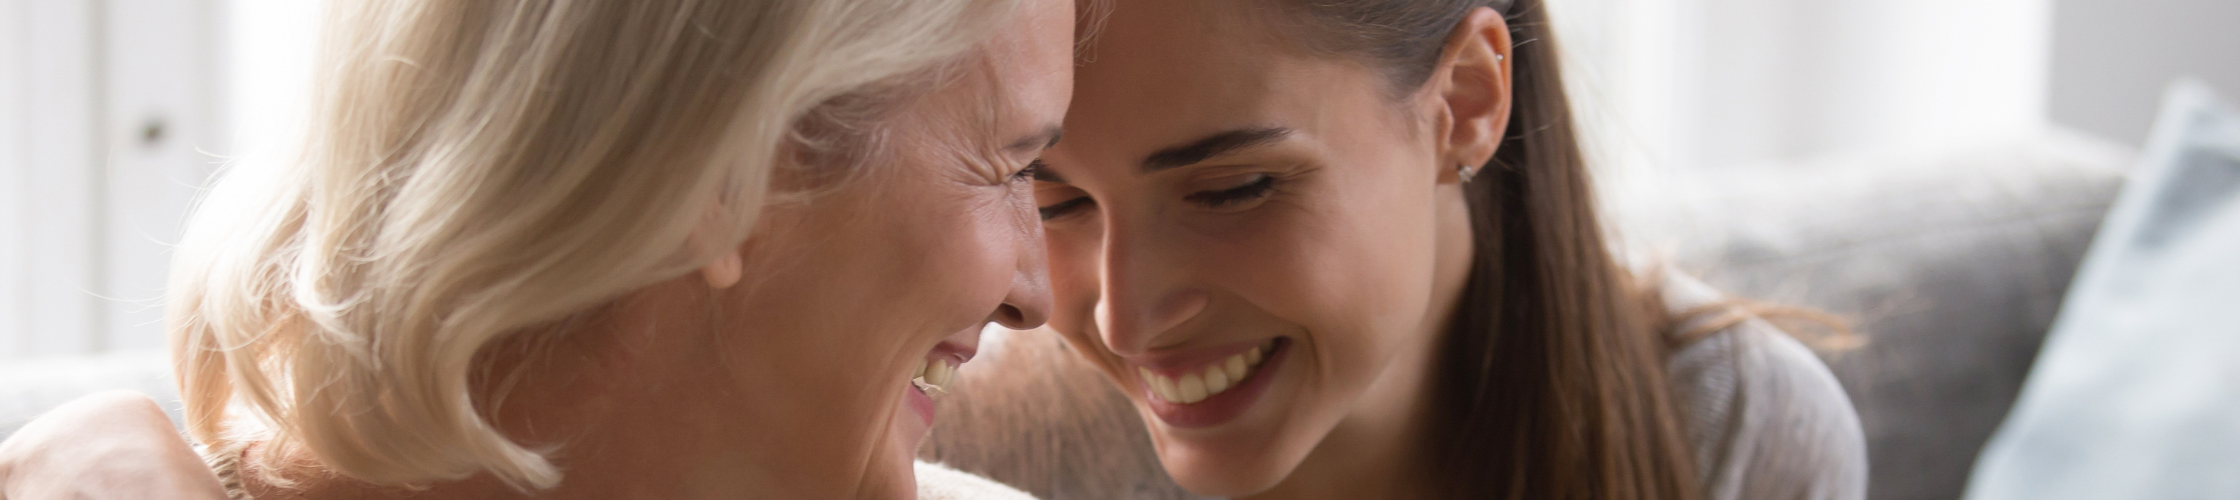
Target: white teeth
935, 376
941, 373
1196, 386
1192, 389
1166, 389
1216, 380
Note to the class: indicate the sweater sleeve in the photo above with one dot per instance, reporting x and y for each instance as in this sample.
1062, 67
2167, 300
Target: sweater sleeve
1765, 418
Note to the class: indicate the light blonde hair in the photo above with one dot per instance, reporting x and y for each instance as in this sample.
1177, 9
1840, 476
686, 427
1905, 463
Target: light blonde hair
474, 169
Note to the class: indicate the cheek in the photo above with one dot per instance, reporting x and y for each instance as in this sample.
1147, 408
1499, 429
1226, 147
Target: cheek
1352, 267
1359, 249
875, 277
959, 257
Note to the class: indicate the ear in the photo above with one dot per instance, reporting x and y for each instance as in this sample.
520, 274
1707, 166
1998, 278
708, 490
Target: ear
729, 264
1471, 85
725, 271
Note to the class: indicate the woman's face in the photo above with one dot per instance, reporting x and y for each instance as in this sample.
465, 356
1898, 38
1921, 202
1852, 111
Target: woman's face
1256, 245
845, 295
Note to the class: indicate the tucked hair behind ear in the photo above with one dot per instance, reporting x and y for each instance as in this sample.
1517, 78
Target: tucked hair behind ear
1551, 377
476, 169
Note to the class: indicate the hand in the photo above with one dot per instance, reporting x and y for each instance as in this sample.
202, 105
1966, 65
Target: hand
111, 445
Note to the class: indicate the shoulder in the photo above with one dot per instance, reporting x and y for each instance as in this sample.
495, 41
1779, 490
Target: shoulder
939, 482
1765, 418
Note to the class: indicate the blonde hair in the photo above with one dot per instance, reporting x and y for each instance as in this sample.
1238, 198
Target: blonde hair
474, 169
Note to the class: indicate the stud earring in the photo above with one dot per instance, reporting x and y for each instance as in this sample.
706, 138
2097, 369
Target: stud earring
1464, 172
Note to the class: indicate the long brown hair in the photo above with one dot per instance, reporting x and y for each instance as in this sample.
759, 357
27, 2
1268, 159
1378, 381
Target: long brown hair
1550, 380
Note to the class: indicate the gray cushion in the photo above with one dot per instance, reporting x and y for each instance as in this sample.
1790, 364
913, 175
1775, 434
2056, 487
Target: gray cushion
2137, 394
1950, 262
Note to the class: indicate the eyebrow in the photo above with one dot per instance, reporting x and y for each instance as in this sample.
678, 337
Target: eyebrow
1044, 140
1212, 146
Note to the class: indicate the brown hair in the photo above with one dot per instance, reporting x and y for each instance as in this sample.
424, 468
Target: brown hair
1550, 380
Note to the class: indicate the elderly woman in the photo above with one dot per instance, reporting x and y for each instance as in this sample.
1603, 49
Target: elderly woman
621, 248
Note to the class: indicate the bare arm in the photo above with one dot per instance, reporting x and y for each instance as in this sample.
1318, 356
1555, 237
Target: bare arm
112, 445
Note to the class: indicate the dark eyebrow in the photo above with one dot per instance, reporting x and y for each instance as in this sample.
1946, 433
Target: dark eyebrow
1212, 146
1049, 137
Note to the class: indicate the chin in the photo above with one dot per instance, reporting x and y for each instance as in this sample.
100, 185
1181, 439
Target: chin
1240, 461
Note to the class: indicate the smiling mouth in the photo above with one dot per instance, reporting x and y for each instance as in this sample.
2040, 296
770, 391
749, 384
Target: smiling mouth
933, 376
1204, 382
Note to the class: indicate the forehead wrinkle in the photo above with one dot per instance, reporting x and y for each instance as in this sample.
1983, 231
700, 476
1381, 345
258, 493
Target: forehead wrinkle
966, 120
987, 122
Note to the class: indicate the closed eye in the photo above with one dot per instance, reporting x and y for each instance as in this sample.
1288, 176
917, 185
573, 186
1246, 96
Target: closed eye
1258, 188
1064, 208
1030, 173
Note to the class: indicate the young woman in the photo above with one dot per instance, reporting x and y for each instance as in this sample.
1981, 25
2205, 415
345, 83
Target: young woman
621, 248
1349, 250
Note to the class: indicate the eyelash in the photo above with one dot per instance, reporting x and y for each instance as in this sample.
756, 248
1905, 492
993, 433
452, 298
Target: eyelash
1027, 174
1256, 189
1063, 208
1249, 191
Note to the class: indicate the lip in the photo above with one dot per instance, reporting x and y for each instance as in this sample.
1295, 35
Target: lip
953, 350
921, 403
1178, 363
1219, 408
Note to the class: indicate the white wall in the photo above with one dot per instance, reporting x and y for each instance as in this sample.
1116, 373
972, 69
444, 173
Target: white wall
113, 114
164, 124
50, 136
2112, 58
1675, 85
103, 107
270, 45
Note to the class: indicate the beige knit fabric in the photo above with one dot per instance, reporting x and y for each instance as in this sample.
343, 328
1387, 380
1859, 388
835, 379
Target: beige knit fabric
939, 482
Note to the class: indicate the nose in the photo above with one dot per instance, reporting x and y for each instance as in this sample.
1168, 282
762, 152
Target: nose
1027, 305
1144, 293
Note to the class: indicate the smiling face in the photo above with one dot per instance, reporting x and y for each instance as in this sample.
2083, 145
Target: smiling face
1257, 244
848, 295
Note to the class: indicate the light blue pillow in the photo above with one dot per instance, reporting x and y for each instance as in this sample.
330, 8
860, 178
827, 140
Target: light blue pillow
2136, 393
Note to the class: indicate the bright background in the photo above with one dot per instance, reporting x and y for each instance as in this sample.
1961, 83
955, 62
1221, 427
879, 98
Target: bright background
112, 112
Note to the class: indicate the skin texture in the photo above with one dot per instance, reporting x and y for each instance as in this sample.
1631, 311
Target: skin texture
112, 445
1354, 252
779, 371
